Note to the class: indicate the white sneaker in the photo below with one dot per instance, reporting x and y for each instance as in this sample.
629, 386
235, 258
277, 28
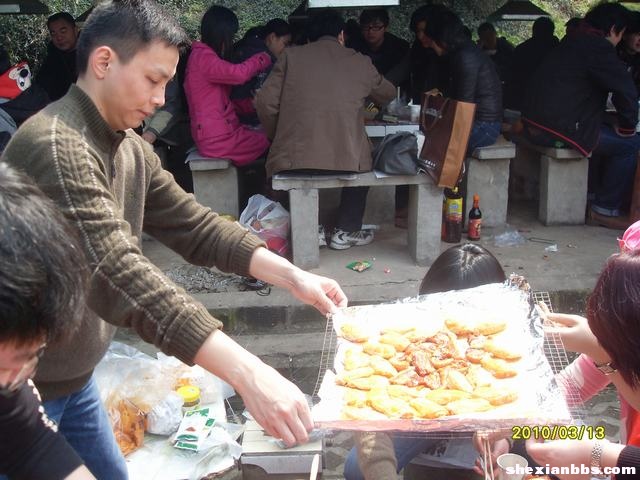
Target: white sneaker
322, 237
341, 240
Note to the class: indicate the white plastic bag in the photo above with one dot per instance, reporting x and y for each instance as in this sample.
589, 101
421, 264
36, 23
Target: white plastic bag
269, 221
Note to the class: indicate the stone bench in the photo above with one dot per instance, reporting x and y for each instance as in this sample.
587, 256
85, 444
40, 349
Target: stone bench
215, 183
424, 219
563, 175
488, 176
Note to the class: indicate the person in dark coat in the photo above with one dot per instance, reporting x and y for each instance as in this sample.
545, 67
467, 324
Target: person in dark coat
473, 76
58, 71
498, 48
566, 102
272, 38
629, 48
527, 57
383, 48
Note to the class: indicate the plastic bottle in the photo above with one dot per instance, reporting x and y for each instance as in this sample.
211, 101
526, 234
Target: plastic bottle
453, 215
191, 397
475, 219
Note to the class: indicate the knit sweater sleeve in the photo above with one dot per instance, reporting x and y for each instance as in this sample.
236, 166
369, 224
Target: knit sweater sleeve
376, 455
195, 232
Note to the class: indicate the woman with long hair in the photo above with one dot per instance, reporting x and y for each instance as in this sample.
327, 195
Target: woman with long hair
215, 126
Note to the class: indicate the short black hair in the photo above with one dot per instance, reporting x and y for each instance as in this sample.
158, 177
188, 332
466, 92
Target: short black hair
486, 27
43, 269
276, 25
445, 28
543, 27
462, 266
128, 26
217, 29
606, 16
370, 15
324, 21
66, 16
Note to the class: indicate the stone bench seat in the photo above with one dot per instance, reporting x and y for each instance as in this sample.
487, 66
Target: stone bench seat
488, 176
215, 183
563, 174
424, 219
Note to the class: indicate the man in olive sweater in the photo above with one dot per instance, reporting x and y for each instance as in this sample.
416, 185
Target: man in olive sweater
110, 185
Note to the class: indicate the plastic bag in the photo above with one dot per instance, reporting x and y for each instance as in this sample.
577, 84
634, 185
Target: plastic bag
269, 221
134, 388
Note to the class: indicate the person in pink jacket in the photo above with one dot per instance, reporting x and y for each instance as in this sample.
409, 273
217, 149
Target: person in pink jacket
215, 126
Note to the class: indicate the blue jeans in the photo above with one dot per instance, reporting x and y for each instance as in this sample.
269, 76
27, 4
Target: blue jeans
406, 448
483, 134
616, 174
84, 422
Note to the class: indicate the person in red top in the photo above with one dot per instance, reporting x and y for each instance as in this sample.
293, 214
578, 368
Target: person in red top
215, 126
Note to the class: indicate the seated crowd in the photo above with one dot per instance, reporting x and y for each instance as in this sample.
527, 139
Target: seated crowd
71, 233
214, 102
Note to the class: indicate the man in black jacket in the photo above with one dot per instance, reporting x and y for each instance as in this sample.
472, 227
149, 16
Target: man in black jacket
43, 283
58, 71
526, 58
566, 103
383, 48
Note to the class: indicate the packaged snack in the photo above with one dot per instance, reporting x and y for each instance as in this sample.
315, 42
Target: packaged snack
359, 266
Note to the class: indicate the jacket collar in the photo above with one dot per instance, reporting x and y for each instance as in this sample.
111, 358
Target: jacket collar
105, 135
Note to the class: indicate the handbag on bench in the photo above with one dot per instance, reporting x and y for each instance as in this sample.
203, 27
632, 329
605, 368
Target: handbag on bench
397, 154
446, 124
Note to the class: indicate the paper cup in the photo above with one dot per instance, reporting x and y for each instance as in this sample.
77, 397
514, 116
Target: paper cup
415, 113
511, 460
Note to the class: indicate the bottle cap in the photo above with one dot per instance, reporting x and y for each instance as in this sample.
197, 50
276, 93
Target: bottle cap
189, 393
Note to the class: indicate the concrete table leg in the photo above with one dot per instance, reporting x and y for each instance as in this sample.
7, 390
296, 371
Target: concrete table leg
304, 228
425, 218
563, 190
489, 178
218, 190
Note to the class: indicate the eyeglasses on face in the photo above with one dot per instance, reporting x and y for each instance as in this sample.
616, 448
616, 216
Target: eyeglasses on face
25, 373
376, 27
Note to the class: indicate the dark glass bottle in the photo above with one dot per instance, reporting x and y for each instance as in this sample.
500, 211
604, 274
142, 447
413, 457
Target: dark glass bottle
475, 219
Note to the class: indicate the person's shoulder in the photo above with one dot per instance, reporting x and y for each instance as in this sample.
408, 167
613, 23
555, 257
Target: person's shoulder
395, 41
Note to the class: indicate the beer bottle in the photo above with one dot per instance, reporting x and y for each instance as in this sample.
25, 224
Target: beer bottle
475, 219
453, 215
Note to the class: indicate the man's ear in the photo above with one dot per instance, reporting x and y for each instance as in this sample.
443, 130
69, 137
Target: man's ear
99, 61
341, 38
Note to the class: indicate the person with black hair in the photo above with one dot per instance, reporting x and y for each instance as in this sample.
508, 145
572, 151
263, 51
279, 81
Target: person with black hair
629, 48
498, 48
526, 58
383, 48
110, 185
312, 106
272, 38
379, 456
210, 75
565, 107
42, 279
473, 76
58, 70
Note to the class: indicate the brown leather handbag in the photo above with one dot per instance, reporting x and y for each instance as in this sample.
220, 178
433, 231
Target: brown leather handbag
446, 125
